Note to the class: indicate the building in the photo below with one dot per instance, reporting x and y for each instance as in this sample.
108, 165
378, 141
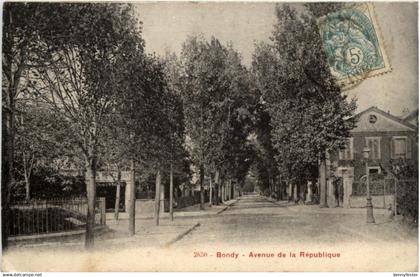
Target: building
388, 138
412, 118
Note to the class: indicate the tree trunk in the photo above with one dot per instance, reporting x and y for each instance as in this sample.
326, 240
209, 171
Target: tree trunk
132, 201
279, 189
227, 189
176, 195
27, 168
171, 193
241, 187
27, 187
323, 194
8, 177
295, 192
157, 196
221, 191
222, 188
230, 189
217, 180
210, 192
162, 198
91, 199
8, 110
202, 187
117, 196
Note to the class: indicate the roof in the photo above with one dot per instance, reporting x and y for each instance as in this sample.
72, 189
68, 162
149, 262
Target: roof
412, 115
387, 116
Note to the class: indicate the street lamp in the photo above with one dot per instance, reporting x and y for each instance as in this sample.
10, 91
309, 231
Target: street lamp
369, 206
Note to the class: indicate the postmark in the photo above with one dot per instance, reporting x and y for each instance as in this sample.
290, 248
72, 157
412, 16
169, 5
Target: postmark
353, 45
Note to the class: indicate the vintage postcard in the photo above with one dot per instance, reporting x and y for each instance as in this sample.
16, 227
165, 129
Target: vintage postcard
210, 136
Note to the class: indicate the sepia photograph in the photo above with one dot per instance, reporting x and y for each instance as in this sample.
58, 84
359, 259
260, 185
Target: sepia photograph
207, 136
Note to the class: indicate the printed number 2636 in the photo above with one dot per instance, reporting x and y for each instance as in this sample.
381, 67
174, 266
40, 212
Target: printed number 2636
199, 254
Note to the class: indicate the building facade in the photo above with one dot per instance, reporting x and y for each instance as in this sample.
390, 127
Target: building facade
389, 138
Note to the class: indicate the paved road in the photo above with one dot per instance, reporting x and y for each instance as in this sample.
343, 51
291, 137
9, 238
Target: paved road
251, 224
254, 220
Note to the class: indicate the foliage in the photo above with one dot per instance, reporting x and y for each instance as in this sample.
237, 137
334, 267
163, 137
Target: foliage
81, 81
218, 105
406, 173
265, 166
308, 112
47, 183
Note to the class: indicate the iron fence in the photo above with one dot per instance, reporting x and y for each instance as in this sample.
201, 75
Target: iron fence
377, 187
52, 215
145, 195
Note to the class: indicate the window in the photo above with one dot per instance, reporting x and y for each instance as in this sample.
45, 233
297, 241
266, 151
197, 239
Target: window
347, 153
374, 144
372, 118
374, 170
400, 148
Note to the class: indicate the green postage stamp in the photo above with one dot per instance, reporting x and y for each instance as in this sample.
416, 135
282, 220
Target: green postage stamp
353, 44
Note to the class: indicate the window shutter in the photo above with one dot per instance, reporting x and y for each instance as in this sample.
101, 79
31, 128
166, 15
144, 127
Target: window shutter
369, 144
393, 148
409, 150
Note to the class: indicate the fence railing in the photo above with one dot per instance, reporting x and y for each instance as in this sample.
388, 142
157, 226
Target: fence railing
53, 215
377, 187
145, 195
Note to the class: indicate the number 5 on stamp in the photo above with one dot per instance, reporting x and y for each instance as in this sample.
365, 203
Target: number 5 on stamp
353, 44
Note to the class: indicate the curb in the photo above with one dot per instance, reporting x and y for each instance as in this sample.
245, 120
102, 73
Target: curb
180, 236
225, 208
274, 202
59, 238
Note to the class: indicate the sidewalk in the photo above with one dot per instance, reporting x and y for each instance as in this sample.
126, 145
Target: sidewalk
147, 234
315, 208
351, 222
183, 212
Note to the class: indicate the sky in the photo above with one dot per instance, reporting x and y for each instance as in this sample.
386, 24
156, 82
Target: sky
167, 25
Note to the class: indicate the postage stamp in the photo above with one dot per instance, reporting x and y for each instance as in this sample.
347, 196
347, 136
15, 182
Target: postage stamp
353, 45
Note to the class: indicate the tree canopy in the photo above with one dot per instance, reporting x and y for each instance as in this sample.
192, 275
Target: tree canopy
308, 112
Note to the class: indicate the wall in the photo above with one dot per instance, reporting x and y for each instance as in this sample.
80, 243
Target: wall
386, 138
377, 201
145, 207
359, 143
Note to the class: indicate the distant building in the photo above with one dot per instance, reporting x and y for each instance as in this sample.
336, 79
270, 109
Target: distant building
389, 138
412, 118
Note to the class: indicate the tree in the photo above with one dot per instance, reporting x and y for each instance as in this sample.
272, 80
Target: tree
25, 25
234, 123
150, 118
309, 114
37, 133
201, 64
80, 85
265, 167
405, 174
114, 158
175, 112
218, 108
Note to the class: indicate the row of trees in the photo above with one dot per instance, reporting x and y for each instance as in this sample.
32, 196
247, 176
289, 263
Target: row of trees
80, 90
219, 104
303, 112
